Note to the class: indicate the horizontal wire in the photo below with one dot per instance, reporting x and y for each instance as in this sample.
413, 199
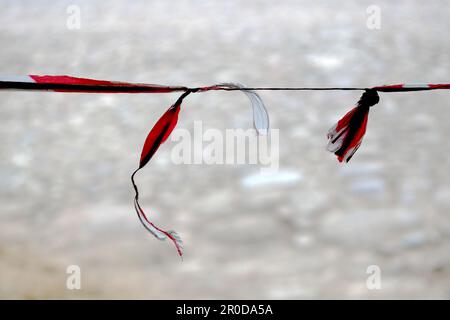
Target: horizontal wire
295, 88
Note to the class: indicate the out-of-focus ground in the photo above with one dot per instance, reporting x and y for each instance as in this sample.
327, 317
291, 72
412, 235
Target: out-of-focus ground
65, 159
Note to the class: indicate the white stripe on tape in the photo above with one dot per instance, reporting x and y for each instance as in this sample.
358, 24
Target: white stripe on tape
415, 85
17, 78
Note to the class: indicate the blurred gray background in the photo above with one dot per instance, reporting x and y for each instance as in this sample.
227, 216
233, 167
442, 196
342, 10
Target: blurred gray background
65, 159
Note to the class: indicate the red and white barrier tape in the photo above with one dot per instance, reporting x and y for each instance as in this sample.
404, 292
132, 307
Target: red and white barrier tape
345, 136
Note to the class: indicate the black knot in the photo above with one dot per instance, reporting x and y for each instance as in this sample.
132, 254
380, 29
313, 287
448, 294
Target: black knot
193, 90
369, 98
